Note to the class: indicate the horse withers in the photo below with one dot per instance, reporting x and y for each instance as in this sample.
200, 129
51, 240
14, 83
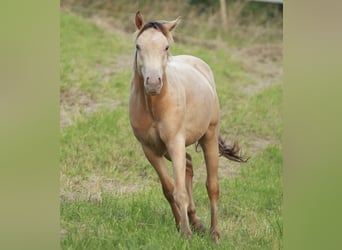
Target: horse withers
173, 104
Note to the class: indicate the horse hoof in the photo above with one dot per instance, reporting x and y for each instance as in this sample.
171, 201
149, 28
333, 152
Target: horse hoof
187, 235
200, 228
215, 236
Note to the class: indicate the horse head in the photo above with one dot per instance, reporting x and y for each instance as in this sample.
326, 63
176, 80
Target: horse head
152, 44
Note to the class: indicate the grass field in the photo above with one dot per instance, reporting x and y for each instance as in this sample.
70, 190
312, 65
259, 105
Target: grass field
110, 195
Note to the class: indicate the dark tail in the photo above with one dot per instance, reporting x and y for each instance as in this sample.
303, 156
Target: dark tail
231, 152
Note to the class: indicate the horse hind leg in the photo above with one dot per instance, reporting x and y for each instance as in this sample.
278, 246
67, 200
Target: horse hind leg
195, 221
210, 149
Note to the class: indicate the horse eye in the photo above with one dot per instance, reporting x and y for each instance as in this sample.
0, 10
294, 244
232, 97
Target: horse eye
137, 47
167, 48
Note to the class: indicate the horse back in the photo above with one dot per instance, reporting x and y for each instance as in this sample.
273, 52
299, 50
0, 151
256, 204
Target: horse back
199, 65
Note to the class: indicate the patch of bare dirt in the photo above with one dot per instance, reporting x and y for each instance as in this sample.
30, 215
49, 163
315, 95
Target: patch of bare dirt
110, 25
74, 104
263, 60
259, 144
91, 189
263, 64
209, 44
123, 62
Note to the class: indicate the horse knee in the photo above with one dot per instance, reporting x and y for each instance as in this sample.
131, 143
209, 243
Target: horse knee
181, 198
213, 190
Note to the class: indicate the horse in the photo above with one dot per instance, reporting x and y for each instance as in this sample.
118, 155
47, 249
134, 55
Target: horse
173, 103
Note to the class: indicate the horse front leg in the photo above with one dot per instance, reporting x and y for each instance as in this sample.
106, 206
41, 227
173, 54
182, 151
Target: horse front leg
209, 144
176, 151
159, 165
194, 219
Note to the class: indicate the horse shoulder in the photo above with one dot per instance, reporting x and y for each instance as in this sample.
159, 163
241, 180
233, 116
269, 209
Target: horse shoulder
145, 129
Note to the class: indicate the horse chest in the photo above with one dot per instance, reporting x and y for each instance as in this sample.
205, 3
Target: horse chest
147, 132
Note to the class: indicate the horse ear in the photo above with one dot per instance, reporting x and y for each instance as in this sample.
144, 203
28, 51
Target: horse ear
172, 24
139, 20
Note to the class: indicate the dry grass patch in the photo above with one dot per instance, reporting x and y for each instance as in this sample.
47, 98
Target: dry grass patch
75, 105
92, 188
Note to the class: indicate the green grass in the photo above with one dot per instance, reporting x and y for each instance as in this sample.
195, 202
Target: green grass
250, 208
110, 195
88, 53
259, 115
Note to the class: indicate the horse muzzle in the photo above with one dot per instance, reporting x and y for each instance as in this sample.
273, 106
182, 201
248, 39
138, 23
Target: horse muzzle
153, 86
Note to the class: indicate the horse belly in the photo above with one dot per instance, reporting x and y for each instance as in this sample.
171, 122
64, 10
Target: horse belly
197, 123
201, 112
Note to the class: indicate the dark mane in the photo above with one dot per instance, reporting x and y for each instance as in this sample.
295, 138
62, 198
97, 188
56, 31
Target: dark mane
155, 25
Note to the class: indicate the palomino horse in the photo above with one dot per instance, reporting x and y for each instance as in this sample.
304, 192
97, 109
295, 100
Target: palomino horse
173, 104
